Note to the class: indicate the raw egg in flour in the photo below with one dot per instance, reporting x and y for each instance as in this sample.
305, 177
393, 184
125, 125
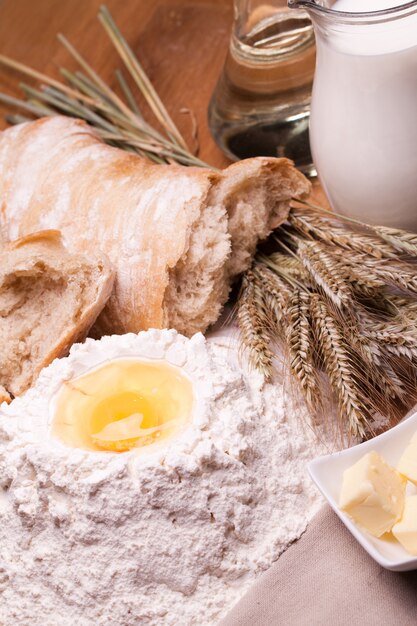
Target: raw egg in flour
121, 405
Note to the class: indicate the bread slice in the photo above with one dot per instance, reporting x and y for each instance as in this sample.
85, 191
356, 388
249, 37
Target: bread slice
49, 299
176, 236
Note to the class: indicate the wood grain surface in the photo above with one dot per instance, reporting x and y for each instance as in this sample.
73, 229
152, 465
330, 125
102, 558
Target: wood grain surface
182, 45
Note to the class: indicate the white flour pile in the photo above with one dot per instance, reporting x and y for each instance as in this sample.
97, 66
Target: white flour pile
169, 538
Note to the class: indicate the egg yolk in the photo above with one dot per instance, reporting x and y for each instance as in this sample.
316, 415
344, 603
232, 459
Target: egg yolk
124, 404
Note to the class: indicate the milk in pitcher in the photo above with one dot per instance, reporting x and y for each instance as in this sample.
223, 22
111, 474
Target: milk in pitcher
363, 126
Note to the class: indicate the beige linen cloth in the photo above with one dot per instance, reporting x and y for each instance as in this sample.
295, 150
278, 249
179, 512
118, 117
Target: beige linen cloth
327, 579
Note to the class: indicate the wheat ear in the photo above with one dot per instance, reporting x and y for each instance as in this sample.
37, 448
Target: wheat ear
300, 346
276, 290
397, 273
401, 240
290, 266
379, 371
325, 272
369, 337
397, 339
312, 224
340, 368
254, 327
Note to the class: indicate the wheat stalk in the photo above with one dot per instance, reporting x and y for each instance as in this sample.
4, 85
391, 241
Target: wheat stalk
397, 274
379, 370
405, 310
398, 339
138, 74
300, 346
366, 333
275, 291
273, 282
355, 263
402, 390
341, 368
354, 280
289, 266
254, 327
401, 240
325, 272
85, 95
325, 229
397, 239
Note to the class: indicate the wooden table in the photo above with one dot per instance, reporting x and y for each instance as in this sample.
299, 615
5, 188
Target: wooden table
182, 45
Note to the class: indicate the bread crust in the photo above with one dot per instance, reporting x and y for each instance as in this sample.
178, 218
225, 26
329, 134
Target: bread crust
4, 396
56, 173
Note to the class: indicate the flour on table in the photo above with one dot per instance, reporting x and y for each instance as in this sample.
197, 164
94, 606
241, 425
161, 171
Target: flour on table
174, 537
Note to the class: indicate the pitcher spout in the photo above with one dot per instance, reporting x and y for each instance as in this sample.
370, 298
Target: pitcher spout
302, 4
316, 10
308, 5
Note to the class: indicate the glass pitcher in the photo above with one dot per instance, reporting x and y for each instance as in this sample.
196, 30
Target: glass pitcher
363, 129
261, 104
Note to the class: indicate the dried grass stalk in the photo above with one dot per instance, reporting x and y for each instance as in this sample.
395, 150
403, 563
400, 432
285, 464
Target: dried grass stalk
88, 97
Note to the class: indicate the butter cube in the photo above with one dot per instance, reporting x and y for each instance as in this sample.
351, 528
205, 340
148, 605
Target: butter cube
373, 494
408, 461
405, 531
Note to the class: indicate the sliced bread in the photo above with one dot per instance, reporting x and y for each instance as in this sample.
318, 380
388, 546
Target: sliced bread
49, 299
176, 236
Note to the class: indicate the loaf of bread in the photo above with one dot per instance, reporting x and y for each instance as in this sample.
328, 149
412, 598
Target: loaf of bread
49, 299
176, 236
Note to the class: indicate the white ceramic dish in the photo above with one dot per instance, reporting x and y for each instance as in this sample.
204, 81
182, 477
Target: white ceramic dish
327, 473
